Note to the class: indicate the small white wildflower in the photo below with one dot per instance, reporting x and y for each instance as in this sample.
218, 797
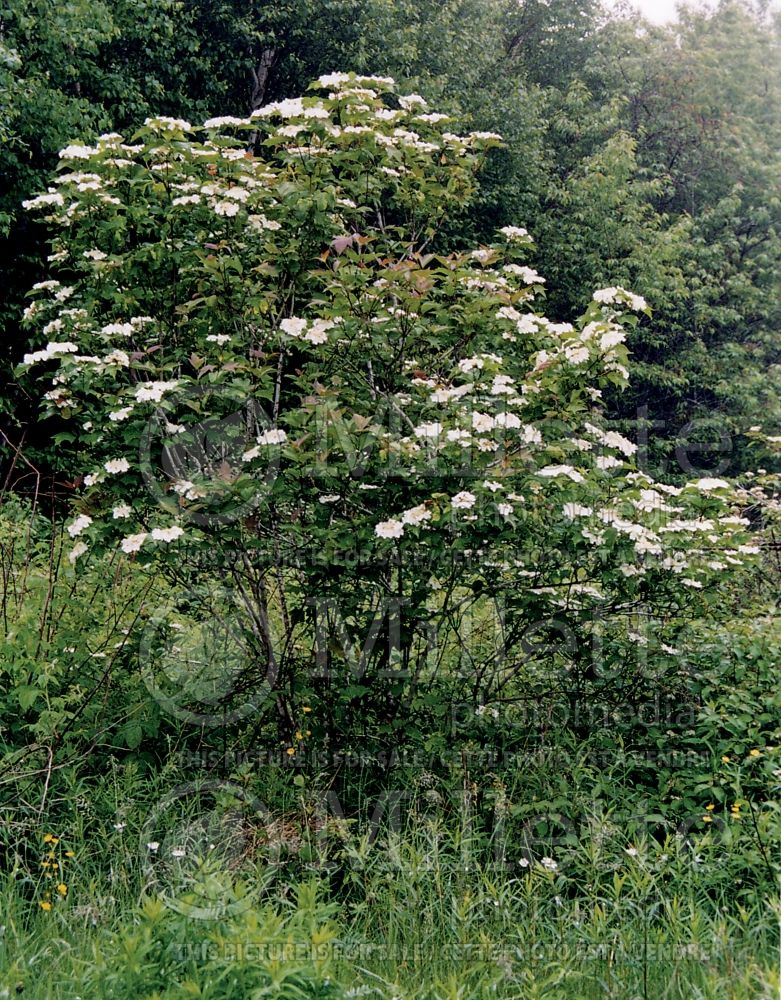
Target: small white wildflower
463, 501
78, 550
133, 542
116, 466
82, 521
167, 534
389, 529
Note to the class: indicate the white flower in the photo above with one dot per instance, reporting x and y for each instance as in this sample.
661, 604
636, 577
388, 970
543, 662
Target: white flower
117, 357
631, 851
78, 550
389, 529
410, 101
94, 255
228, 208
688, 582
605, 295
561, 470
615, 440
550, 864
76, 152
42, 200
122, 510
119, 827
152, 392
120, 329
330, 81
168, 124
505, 509
329, 498
464, 500
221, 122
711, 484
318, 332
218, 338
167, 534
153, 845
117, 416
117, 465
490, 484
576, 355
132, 544
416, 515
611, 339
293, 326
515, 233
272, 436
432, 430
573, 510
82, 521
178, 852
482, 422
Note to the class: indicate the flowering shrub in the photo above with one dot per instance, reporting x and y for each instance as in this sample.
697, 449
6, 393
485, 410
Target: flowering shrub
270, 371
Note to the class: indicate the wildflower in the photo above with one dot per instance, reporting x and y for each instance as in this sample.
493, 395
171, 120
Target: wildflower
45, 905
632, 852
77, 551
228, 208
49, 838
755, 753
464, 500
178, 852
573, 510
122, 510
550, 864
152, 846
561, 470
133, 542
707, 819
152, 392
120, 826
431, 430
75, 152
290, 751
306, 709
62, 888
389, 529
515, 233
416, 515
273, 436
705, 485
117, 465
117, 416
710, 807
726, 760
167, 534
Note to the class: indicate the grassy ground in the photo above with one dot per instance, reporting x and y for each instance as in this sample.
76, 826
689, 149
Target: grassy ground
223, 906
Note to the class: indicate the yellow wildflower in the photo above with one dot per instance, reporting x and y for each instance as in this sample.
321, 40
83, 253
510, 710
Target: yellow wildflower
45, 905
62, 889
710, 807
